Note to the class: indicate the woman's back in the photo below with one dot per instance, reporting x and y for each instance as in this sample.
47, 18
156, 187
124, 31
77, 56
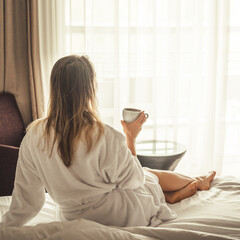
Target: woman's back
106, 185
86, 177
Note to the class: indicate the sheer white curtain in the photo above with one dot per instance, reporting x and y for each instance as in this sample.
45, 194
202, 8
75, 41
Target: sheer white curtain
167, 57
51, 37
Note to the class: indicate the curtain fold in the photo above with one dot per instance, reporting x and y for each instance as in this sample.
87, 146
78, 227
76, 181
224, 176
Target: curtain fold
35, 78
20, 74
14, 56
51, 39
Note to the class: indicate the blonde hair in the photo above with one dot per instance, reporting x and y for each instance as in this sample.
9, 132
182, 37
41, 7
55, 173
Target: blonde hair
72, 111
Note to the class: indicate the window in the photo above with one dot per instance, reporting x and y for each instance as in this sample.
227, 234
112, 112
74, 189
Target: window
174, 59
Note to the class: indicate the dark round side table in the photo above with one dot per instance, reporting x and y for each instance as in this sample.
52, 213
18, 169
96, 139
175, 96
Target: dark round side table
164, 155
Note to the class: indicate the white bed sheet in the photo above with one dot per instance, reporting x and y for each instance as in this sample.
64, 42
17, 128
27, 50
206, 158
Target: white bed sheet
213, 214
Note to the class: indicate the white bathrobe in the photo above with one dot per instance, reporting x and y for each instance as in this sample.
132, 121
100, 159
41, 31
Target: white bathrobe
107, 185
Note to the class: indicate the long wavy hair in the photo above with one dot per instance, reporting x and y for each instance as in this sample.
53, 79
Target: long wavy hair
72, 111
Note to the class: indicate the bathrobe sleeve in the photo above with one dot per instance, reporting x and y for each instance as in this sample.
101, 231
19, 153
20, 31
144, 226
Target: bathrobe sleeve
29, 194
129, 173
123, 169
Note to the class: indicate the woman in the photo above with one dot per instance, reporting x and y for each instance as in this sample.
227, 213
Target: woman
89, 169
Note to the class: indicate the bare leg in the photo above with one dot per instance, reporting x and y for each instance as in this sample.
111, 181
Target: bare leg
177, 187
171, 181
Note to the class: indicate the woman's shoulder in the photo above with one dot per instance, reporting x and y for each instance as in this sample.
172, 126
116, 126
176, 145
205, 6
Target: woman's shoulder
36, 125
34, 132
112, 131
112, 134
35, 129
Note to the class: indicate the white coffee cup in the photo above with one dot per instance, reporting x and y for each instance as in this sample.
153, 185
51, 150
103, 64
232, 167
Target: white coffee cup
131, 114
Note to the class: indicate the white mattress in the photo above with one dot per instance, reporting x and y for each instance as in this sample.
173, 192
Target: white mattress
213, 214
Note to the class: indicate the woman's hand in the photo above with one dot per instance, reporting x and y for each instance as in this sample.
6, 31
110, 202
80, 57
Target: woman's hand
132, 130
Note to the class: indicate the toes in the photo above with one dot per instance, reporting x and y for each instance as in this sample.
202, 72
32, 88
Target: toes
211, 175
214, 173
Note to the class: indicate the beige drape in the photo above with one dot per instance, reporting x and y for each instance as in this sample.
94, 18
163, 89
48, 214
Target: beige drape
19, 56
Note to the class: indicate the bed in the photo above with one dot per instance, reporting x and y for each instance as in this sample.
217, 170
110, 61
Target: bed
213, 214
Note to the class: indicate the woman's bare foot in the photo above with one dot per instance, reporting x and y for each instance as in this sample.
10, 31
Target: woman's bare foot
203, 182
177, 196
